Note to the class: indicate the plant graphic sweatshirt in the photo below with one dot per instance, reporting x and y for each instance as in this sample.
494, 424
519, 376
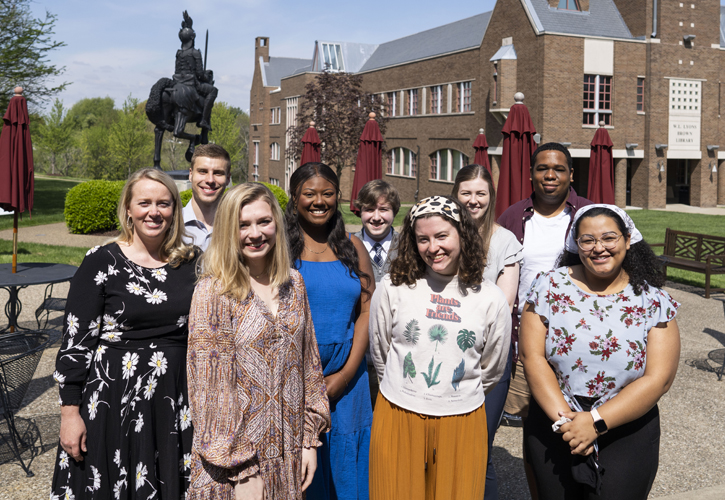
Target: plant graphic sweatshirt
436, 351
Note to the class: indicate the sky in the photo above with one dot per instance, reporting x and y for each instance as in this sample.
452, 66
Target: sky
122, 47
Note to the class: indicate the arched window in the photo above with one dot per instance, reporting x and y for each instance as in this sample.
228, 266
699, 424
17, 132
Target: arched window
445, 164
274, 151
402, 161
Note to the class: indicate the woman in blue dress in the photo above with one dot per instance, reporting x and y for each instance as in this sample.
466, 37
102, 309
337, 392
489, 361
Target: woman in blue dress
338, 275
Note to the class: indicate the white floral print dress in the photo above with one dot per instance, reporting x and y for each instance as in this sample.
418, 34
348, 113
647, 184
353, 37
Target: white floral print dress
123, 360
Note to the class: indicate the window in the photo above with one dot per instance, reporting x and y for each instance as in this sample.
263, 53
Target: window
390, 101
413, 102
640, 94
273, 181
255, 170
274, 151
495, 83
463, 99
402, 161
332, 57
276, 115
445, 164
597, 100
436, 99
569, 5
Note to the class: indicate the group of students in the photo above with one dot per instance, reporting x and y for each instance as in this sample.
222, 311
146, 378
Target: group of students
236, 369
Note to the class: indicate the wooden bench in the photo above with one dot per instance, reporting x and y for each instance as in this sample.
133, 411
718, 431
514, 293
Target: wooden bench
694, 252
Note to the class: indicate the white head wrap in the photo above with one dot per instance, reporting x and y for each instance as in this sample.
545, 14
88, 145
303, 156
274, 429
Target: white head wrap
635, 235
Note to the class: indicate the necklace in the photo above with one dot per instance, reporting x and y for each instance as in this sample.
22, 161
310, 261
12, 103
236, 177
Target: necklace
259, 275
312, 251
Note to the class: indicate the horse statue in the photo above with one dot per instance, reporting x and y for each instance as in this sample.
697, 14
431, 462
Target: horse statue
187, 97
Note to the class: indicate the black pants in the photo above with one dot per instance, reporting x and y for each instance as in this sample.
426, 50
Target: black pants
628, 455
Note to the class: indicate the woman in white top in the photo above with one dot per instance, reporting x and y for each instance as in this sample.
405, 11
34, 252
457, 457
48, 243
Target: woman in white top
439, 337
474, 188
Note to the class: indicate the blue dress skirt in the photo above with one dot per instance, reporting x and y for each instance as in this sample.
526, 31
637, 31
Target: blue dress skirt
342, 460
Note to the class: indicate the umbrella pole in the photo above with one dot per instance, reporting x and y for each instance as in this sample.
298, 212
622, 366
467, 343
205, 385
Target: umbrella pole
15, 241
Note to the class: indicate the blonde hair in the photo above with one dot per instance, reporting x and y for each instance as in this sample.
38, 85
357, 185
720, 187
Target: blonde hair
173, 249
223, 260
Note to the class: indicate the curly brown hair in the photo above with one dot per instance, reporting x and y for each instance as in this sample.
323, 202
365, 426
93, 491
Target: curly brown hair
408, 266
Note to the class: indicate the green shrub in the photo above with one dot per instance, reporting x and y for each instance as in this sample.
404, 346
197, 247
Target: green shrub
185, 196
91, 206
278, 193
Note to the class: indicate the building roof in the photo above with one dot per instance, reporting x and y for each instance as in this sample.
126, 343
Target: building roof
354, 55
722, 26
505, 52
279, 67
603, 19
464, 34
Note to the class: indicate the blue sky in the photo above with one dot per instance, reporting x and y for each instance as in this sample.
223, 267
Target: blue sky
123, 47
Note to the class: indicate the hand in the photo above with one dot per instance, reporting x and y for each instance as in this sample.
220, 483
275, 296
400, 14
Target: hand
335, 385
72, 432
309, 465
250, 488
580, 432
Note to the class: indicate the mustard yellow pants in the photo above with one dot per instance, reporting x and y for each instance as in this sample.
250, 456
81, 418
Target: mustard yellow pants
417, 457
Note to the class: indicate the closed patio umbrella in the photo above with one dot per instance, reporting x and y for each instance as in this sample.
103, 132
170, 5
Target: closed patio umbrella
369, 164
514, 182
310, 146
481, 147
16, 164
601, 168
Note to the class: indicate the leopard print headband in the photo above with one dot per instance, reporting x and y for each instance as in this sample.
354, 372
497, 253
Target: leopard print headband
436, 205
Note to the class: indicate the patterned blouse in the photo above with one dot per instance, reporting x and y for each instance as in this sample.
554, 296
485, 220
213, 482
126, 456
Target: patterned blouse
256, 390
597, 344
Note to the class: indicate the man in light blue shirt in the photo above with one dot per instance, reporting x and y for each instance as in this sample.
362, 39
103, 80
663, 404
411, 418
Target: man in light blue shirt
209, 175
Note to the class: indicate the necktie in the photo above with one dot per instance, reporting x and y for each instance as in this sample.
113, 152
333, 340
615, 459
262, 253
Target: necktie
378, 259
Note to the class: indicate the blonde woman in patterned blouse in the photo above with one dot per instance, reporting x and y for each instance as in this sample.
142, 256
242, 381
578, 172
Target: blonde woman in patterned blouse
258, 398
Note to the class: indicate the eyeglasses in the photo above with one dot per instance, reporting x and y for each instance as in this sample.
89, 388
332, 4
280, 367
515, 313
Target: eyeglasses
588, 242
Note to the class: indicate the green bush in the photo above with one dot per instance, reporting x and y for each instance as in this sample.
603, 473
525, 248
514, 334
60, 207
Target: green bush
185, 196
91, 206
278, 193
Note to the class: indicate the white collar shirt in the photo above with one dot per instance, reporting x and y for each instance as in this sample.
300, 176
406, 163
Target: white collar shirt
370, 243
197, 232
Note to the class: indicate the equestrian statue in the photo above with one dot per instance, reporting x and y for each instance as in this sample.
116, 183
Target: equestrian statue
187, 97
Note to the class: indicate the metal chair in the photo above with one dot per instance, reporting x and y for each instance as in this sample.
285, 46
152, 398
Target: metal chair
20, 354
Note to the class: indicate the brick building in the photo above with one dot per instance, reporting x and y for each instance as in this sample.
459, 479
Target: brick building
650, 70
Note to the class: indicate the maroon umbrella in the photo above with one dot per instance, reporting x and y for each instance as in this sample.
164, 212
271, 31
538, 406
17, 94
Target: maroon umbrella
601, 168
514, 182
369, 164
310, 146
481, 147
16, 164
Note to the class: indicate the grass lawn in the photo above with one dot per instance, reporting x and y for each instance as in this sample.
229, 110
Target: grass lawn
652, 225
36, 252
48, 203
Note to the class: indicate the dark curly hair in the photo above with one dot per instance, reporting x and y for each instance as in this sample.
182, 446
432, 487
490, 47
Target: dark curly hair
640, 262
337, 238
408, 267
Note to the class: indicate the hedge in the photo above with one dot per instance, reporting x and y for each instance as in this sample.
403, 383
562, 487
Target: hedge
91, 206
277, 191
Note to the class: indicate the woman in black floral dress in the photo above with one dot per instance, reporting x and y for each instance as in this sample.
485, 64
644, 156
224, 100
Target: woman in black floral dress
125, 421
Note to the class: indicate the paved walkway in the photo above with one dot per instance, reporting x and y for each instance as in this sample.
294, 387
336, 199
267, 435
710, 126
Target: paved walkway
54, 234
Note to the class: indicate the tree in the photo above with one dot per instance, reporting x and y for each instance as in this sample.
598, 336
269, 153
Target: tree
130, 142
55, 136
231, 131
339, 107
93, 111
25, 43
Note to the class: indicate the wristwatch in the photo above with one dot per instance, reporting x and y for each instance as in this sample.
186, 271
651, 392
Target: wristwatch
599, 424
